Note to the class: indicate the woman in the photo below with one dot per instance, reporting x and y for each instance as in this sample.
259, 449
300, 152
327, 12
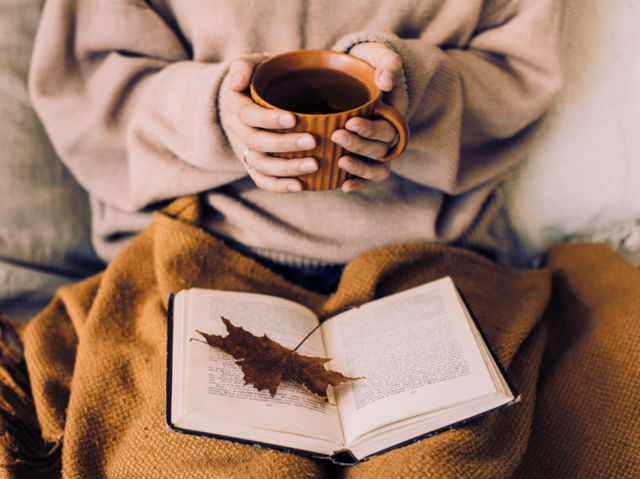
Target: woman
147, 101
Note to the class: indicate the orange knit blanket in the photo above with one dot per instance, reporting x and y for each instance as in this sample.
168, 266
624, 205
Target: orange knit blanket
568, 335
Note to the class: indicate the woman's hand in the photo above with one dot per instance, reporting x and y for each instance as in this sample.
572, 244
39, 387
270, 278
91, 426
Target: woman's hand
248, 122
372, 138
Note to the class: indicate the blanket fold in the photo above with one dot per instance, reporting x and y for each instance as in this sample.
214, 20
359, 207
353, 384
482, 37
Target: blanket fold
567, 334
22, 449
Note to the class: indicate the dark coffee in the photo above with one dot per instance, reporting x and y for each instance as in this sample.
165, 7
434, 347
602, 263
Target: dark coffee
316, 91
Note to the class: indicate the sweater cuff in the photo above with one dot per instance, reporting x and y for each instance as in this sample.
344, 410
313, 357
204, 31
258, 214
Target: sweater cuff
346, 43
235, 145
416, 68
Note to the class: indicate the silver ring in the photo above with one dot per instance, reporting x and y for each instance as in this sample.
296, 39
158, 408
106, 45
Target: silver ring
244, 159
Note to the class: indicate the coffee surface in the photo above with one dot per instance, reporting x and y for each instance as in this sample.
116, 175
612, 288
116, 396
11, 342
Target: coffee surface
316, 91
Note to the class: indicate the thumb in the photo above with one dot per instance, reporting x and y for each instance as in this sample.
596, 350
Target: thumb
241, 69
388, 64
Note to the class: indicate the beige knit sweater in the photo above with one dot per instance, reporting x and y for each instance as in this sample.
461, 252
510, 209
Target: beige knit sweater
127, 90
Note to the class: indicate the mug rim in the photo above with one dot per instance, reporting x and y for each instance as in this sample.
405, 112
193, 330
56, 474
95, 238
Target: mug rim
374, 98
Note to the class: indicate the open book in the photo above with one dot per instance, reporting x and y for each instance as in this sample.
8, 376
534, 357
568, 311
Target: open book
424, 363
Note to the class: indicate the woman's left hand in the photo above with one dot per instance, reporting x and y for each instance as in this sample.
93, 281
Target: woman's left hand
372, 139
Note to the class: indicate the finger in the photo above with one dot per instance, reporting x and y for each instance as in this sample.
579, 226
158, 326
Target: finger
355, 184
369, 170
269, 142
272, 183
241, 69
281, 167
388, 64
384, 80
378, 130
388, 68
272, 142
360, 146
252, 114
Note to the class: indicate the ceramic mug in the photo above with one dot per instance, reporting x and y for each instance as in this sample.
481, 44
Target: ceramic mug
323, 89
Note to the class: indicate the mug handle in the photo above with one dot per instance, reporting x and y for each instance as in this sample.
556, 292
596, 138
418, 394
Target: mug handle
397, 120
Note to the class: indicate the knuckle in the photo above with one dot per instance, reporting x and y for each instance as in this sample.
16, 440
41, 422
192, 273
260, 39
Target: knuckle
293, 170
356, 167
387, 131
243, 113
357, 145
268, 119
238, 64
263, 118
373, 149
263, 182
358, 184
384, 172
275, 167
394, 61
366, 129
263, 165
362, 184
273, 187
376, 150
286, 143
253, 142
254, 160
281, 187
375, 173
290, 168
380, 151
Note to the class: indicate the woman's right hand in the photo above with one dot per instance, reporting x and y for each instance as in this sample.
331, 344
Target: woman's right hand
256, 128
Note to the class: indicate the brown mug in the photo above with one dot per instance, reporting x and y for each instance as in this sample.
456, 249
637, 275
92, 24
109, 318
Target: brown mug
323, 89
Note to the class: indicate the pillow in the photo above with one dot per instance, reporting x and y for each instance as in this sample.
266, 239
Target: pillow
581, 180
44, 214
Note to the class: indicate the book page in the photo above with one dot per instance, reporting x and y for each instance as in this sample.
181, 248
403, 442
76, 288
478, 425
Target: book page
213, 385
416, 352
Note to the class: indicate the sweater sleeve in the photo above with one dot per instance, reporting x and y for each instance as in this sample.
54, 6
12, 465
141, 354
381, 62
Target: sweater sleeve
472, 101
127, 109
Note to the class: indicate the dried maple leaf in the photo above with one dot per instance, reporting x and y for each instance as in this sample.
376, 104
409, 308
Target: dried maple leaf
266, 363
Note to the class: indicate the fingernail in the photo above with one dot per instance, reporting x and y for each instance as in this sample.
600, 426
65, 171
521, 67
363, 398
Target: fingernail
305, 142
286, 120
307, 166
386, 79
293, 187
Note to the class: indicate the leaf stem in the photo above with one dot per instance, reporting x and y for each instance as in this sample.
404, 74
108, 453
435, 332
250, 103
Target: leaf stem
305, 338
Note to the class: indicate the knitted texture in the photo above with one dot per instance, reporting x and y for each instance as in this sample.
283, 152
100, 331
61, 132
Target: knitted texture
138, 116
567, 334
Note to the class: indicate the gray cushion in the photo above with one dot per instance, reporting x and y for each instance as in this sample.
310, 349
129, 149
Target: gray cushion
44, 214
